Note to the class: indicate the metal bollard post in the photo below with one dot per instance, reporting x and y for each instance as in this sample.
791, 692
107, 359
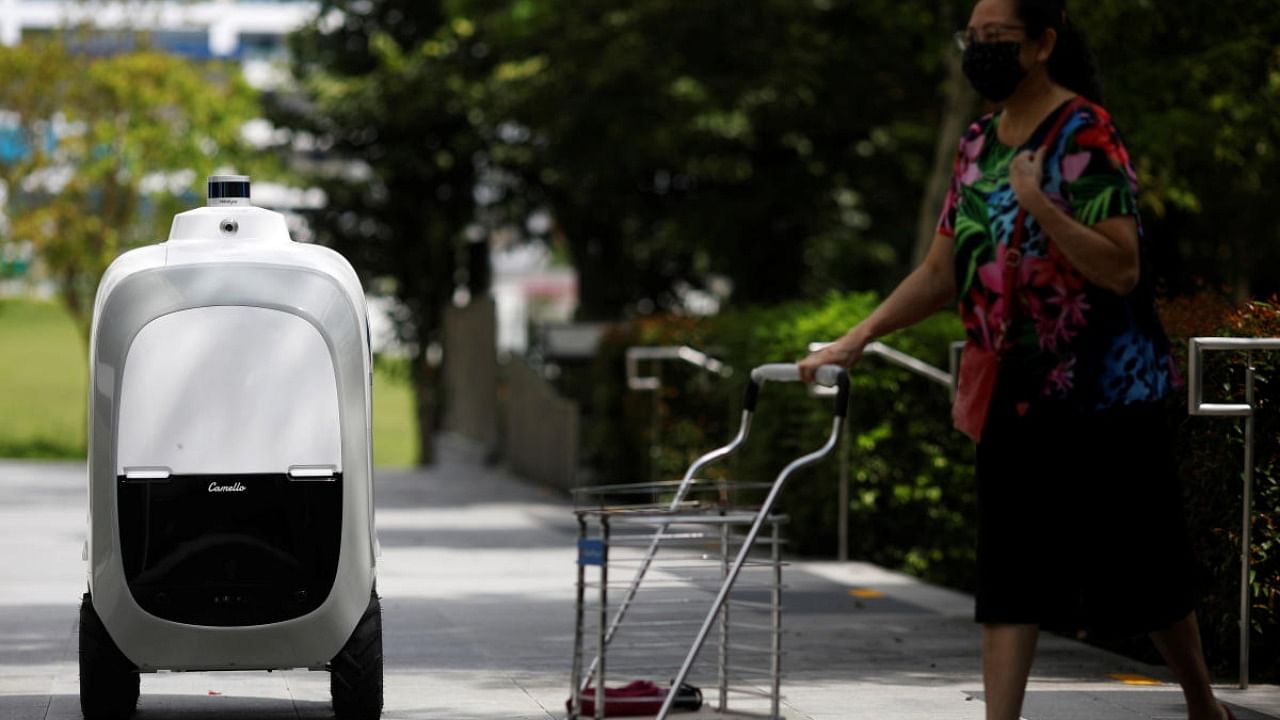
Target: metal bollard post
1246, 524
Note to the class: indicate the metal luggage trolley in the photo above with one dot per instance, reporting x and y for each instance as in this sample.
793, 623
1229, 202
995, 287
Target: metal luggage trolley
682, 542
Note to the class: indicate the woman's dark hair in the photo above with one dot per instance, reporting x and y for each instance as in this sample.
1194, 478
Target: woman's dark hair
1072, 64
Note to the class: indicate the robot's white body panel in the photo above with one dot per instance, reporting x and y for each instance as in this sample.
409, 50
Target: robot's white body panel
230, 473
263, 382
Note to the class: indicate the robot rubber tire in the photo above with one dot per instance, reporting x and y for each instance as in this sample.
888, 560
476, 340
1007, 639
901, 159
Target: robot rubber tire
355, 674
109, 683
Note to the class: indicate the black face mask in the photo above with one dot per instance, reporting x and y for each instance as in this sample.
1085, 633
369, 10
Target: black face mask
993, 68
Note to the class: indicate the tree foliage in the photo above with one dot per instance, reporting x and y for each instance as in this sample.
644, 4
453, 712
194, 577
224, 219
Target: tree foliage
105, 149
390, 91
788, 147
1195, 87
773, 143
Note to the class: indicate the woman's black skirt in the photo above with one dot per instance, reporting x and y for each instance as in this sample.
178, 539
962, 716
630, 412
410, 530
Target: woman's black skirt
1080, 521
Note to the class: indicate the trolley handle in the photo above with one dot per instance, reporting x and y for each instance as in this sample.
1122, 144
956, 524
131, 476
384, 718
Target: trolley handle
827, 376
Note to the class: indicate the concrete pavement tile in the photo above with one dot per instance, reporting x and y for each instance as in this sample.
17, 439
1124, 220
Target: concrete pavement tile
854, 701
938, 600
1259, 698
1098, 701
459, 696
24, 707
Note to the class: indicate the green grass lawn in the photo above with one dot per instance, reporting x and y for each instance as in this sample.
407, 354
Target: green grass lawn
394, 429
42, 390
42, 381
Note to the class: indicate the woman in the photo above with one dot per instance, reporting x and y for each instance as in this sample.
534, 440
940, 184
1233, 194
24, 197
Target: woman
1080, 519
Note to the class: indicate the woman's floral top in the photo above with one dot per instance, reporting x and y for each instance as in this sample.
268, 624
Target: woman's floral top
1071, 340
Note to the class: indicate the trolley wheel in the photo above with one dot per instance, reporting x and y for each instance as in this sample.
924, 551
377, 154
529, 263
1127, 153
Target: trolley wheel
109, 683
355, 675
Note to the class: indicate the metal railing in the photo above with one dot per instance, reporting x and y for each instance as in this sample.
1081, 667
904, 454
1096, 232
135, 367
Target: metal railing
667, 353
653, 383
1197, 406
902, 360
915, 364
907, 362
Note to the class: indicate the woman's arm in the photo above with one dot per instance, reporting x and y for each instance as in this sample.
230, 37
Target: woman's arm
928, 288
1106, 254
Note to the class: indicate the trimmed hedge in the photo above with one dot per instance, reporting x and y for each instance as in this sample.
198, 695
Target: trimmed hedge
912, 501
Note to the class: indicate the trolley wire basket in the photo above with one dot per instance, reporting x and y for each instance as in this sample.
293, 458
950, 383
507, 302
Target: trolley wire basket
687, 579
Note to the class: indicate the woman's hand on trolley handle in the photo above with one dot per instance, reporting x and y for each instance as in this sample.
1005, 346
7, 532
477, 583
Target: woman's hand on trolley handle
929, 288
843, 352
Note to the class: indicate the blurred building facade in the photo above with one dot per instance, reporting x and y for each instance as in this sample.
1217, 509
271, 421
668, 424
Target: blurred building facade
252, 31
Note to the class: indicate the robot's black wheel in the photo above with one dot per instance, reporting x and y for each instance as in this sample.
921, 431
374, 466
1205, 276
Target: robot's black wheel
109, 683
355, 675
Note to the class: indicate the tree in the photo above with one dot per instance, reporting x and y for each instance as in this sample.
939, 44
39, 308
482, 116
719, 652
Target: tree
957, 111
780, 144
31, 101
1195, 88
391, 92
106, 149
787, 145
790, 147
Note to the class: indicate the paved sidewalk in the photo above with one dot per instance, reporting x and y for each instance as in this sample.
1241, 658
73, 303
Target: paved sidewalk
477, 575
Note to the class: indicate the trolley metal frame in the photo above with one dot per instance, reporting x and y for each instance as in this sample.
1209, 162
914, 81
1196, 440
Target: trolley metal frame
682, 512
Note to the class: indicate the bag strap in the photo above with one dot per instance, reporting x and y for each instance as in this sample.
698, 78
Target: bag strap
1013, 253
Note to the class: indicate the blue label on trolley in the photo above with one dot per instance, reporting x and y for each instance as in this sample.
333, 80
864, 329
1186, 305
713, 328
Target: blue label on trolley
591, 552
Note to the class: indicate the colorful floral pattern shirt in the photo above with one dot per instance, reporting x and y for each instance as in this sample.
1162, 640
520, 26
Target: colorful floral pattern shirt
1071, 341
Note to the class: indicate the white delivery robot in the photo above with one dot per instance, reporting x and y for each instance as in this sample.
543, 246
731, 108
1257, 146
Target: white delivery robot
230, 474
